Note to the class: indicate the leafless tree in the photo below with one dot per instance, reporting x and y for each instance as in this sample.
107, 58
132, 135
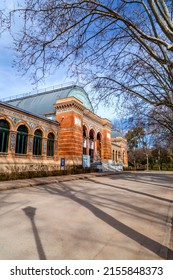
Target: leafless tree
124, 47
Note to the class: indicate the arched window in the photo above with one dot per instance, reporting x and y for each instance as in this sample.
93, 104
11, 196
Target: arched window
4, 136
84, 140
98, 146
50, 145
21, 140
37, 146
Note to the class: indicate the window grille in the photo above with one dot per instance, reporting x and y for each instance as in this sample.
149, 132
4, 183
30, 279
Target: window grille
21, 140
4, 136
50, 145
37, 146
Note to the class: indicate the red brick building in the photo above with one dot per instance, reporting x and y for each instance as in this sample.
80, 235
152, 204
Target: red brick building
119, 148
40, 131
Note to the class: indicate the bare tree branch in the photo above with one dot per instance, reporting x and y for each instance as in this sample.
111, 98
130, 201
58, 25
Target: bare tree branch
125, 47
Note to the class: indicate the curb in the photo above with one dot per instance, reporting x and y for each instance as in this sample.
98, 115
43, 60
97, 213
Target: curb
25, 183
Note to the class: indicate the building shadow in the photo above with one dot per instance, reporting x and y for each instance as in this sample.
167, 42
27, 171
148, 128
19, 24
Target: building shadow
143, 240
30, 213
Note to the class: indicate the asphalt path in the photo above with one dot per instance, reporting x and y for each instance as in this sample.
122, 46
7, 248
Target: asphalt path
126, 216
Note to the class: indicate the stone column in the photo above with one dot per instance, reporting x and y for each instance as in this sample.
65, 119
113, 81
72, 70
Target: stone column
56, 150
95, 149
101, 150
87, 145
30, 145
44, 148
12, 142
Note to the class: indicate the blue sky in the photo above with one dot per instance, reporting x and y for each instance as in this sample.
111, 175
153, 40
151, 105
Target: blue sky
11, 81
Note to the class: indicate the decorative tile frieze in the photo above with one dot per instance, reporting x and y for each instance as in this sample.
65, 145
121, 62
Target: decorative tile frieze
14, 120
32, 125
17, 117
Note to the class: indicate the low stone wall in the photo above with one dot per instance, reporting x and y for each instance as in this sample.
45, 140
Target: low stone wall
22, 168
9, 165
38, 163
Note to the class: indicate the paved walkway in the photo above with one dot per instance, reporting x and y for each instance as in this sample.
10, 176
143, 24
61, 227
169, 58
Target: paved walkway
15, 184
122, 216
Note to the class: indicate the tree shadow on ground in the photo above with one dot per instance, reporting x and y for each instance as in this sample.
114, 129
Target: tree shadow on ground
136, 177
148, 243
145, 214
132, 191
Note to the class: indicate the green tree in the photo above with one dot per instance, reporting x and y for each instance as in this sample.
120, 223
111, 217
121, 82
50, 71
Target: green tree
162, 157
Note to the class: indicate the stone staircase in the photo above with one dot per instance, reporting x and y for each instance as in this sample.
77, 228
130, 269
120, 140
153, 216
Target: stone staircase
97, 165
106, 167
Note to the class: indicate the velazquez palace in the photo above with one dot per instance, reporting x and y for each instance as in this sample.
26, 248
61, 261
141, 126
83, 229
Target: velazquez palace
56, 129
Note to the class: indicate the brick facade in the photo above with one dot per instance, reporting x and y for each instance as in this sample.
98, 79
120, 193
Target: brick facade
74, 118
74, 132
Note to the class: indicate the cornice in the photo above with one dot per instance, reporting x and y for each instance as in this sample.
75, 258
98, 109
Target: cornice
69, 103
72, 103
96, 118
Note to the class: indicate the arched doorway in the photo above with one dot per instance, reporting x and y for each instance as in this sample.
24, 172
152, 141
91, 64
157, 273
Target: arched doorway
84, 140
98, 146
91, 145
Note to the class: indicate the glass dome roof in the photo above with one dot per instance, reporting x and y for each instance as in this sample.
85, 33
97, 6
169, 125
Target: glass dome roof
43, 103
116, 133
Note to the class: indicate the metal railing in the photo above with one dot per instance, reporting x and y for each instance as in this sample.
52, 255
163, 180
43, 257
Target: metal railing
40, 91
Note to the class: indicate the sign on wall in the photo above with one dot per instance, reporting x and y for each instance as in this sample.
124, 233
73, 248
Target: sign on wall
62, 162
108, 135
85, 161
